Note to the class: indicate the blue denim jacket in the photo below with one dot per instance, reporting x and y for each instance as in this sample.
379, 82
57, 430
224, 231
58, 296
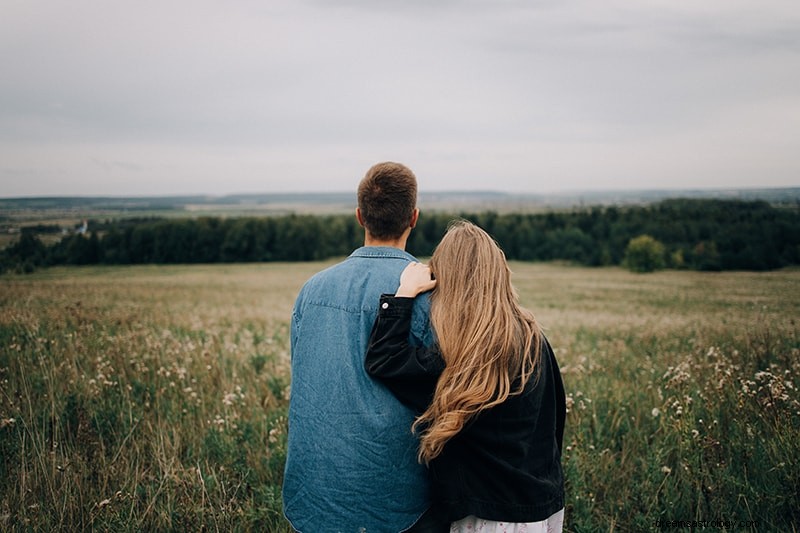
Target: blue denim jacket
351, 464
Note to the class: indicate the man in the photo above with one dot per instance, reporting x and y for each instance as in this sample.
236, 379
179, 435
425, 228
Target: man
352, 463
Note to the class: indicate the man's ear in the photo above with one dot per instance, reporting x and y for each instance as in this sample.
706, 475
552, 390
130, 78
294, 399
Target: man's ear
359, 217
414, 217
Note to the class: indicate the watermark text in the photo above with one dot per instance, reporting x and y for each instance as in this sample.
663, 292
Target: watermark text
733, 523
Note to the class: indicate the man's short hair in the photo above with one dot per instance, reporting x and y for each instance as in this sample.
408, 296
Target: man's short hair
387, 197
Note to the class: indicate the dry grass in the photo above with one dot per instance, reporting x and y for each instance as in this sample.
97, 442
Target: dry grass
683, 394
155, 398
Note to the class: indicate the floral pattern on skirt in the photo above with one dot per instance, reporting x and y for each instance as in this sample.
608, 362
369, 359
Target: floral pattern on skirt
473, 524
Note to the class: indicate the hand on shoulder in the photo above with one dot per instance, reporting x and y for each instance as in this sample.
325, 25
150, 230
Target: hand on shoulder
415, 279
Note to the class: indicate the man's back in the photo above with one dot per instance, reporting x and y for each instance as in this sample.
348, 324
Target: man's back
351, 463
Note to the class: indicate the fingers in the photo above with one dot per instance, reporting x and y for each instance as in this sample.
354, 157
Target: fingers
416, 278
418, 272
430, 285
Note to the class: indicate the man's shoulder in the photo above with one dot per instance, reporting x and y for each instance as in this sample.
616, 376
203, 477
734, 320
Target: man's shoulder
321, 281
364, 261
338, 280
330, 274
355, 282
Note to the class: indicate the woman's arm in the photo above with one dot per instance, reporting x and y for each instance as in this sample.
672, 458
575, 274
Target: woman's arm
410, 372
389, 354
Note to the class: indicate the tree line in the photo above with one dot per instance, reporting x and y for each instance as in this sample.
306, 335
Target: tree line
693, 234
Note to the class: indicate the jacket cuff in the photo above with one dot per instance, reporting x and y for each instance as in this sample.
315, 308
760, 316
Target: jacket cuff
393, 306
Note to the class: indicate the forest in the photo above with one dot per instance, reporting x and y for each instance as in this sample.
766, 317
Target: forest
696, 234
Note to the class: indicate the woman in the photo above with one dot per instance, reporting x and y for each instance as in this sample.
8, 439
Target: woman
489, 392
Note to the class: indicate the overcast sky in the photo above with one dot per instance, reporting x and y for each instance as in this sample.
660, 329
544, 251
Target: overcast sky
180, 97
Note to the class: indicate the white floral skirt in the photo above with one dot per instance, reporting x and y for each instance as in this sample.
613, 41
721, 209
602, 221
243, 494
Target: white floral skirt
473, 524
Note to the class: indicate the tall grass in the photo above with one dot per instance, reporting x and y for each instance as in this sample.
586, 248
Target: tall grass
154, 398
682, 396
145, 399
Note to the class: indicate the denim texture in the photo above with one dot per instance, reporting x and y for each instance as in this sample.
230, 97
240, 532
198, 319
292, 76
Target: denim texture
351, 463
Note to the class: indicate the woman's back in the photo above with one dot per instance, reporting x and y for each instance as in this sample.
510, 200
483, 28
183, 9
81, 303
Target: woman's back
505, 464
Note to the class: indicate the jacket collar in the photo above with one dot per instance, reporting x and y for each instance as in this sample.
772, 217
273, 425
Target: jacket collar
382, 251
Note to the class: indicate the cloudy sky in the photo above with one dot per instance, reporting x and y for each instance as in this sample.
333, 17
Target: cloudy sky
176, 97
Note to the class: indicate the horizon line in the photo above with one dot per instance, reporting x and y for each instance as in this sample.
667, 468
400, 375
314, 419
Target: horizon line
493, 192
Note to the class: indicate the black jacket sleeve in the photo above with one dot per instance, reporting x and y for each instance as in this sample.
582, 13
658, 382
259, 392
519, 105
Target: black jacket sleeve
410, 372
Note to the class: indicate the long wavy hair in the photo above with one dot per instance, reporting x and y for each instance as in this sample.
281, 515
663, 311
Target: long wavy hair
490, 345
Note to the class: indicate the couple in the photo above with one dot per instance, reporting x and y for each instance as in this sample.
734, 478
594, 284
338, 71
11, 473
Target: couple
423, 398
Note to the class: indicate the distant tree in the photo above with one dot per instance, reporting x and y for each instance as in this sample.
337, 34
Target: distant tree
676, 259
27, 248
24, 255
207, 238
84, 250
705, 256
684, 233
240, 241
115, 247
141, 246
572, 244
644, 254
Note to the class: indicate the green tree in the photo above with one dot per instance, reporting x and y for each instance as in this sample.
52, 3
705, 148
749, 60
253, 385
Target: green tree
644, 254
705, 256
24, 255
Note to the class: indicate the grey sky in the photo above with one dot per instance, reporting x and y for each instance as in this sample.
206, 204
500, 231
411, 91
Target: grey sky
150, 98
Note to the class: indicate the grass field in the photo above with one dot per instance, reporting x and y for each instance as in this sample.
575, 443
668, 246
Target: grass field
154, 398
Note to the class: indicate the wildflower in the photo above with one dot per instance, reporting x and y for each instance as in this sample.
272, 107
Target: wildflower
655, 412
274, 433
665, 469
229, 399
677, 375
570, 401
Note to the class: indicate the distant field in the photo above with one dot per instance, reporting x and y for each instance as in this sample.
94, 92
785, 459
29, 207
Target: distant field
154, 398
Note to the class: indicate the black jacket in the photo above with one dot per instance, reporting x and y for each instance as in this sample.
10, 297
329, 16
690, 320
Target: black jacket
505, 465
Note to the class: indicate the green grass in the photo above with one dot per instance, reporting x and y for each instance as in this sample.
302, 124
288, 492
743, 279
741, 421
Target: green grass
154, 398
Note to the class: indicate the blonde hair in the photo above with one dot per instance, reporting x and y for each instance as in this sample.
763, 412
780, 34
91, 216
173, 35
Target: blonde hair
489, 343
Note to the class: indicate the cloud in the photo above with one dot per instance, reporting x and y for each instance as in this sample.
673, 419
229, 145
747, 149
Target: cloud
198, 96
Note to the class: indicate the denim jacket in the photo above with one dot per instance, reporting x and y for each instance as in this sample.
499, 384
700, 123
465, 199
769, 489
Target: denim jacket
351, 463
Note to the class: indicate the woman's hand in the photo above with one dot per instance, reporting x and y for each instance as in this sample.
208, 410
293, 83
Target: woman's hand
416, 278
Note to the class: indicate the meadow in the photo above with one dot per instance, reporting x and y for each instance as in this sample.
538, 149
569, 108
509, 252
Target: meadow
155, 397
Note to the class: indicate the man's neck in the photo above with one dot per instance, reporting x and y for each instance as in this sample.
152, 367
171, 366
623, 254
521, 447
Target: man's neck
400, 244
